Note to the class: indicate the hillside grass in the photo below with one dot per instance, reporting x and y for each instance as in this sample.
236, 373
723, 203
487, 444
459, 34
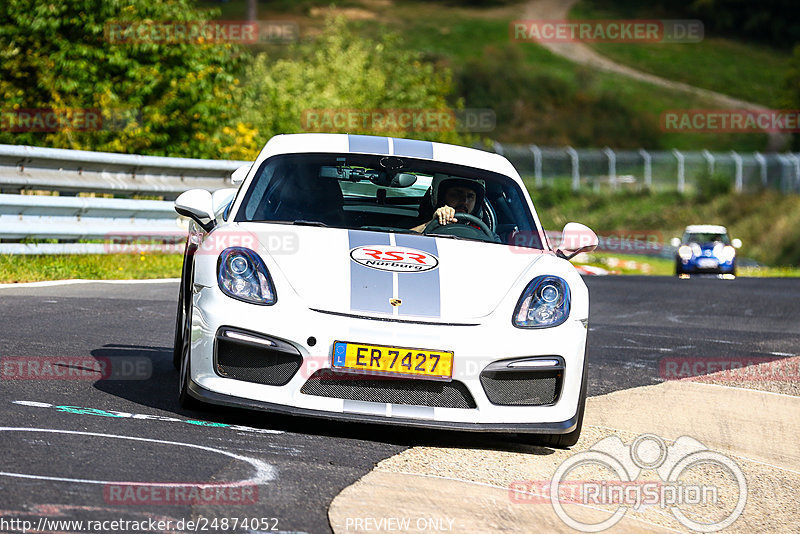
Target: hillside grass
555, 113
747, 71
454, 35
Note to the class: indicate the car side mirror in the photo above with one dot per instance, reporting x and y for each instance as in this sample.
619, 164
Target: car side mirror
576, 238
675, 242
198, 206
402, 179
737, 243
238, 176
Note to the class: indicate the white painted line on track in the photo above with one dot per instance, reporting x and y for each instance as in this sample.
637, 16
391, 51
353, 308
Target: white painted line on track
264, 472
47, 283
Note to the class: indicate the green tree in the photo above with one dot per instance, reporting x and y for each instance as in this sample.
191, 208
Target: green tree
163, 98
339, 71
792, 90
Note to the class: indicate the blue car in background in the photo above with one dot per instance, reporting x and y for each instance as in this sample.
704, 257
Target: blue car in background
705, 249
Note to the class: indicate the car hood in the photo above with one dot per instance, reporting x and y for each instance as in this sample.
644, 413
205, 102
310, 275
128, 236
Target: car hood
363, 273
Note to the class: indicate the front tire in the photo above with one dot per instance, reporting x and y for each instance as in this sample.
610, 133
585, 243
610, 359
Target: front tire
185, 374
182, 351
177, 345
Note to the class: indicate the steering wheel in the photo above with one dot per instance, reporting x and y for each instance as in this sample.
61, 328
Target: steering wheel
463, 218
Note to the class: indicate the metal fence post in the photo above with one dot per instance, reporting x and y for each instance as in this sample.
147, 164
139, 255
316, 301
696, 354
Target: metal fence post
762, 164
796, 164
710, 160
612, 167
681, 170
737, 160
576, 174
648, 168
537, 164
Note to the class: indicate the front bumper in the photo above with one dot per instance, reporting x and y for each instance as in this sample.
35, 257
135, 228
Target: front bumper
211, 397
474, 346
695, 265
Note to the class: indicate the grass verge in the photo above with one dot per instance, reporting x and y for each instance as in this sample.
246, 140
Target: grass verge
768, 222
35, 268
628, 264
16, 269
751, 72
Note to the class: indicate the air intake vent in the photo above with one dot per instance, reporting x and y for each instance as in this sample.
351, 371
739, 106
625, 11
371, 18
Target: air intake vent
326, 383
255, 358
522, 382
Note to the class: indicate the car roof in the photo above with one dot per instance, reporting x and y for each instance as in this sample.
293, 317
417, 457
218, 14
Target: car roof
368, 144
706, 229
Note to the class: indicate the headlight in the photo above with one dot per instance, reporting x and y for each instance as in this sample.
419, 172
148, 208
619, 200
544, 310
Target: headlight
685, 252
727, 254
241, 274
544, 303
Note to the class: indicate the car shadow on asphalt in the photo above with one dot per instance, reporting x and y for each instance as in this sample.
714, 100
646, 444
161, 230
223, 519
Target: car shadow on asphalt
158, 390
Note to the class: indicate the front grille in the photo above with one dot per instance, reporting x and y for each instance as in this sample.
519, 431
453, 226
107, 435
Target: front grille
521, 388
271, 365
326, 383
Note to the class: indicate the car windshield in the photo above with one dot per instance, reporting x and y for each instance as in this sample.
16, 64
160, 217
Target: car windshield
705, 237
382, 193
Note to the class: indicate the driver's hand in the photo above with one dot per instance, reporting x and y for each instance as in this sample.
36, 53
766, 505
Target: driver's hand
445, 215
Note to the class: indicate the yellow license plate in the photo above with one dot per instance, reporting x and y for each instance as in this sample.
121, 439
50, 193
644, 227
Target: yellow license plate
392, 360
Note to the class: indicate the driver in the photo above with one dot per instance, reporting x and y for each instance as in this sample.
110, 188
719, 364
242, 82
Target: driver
451, 195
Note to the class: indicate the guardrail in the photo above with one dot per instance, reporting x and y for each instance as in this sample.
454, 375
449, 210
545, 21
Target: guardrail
73, 171
67, 217
26, 217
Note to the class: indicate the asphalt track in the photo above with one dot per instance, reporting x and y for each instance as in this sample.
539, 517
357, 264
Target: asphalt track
64, 440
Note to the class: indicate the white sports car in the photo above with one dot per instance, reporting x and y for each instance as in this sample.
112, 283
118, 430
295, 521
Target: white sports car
383, 280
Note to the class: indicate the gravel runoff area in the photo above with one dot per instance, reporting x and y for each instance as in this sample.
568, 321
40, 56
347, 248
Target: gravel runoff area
511, 484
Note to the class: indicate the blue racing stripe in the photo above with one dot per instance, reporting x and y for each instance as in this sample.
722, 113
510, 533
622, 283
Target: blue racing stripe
420, 292
370, 289
413, 148
369, 144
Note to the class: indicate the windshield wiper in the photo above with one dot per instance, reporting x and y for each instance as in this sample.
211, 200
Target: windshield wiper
448, 236
303, 222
